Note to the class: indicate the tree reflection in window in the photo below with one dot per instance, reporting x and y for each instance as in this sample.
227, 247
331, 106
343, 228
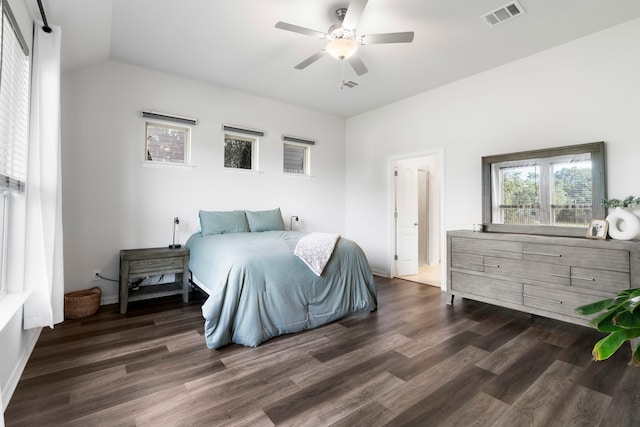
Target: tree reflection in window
238, 152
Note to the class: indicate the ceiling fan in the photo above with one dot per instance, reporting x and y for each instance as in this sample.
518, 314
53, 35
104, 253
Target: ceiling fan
343, 39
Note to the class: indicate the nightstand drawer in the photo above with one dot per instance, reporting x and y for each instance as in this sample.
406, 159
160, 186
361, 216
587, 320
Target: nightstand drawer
155, 266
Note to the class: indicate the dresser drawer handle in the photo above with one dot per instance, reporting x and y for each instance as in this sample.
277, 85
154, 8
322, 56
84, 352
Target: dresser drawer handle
483, 264
542, 254
519, 294
589, 279
543, 299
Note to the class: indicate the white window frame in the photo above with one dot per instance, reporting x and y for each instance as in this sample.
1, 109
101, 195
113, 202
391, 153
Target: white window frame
306, 157
14, 122
187, 143
4, 239
254, 151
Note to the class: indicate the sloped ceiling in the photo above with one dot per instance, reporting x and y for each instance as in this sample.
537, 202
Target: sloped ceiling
235, 44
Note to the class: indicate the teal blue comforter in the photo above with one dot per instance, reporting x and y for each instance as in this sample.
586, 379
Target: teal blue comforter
258, 289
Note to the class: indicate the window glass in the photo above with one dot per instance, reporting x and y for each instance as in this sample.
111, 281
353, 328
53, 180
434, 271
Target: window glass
553, 191
239, 152
166, 144
518, 198
295, 159
14, 117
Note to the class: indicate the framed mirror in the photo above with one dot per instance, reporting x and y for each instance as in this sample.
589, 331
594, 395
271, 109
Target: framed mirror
554, 191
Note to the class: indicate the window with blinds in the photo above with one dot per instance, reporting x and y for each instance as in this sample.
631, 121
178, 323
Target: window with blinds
14, 101
14, 117
295, 159
166, 144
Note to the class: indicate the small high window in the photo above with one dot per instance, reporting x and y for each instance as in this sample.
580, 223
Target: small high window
167, 144
240, 152
296, 159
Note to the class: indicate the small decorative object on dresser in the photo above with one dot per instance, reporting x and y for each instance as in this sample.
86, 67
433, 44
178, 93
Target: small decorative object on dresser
597, 229
142, 263
624, 223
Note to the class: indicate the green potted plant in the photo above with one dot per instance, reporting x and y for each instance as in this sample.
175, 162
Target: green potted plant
620, 318
627, 202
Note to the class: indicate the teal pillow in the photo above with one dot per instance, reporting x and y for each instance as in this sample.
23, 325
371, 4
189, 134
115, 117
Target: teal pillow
220, 222
265, 220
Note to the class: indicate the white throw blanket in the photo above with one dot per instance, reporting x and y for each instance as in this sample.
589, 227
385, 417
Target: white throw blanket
315, 250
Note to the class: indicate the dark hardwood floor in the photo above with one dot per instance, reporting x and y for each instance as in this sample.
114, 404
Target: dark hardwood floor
416, 361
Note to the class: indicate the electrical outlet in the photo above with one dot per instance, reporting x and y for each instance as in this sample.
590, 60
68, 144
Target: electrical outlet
95, 277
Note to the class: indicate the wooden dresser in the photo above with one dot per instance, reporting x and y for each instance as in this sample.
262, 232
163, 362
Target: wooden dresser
544, 275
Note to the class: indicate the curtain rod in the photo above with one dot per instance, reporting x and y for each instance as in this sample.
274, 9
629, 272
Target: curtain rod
46, 28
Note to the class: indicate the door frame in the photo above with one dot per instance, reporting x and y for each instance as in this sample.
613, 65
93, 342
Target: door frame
439, 152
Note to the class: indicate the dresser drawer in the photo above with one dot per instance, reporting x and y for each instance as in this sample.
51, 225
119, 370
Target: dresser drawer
556, 300
155, 265
531, 271
498, 248
467, 261
502, 290
600, 280
602, 259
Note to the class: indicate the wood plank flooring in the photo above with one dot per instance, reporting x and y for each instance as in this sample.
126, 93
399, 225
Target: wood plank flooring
416, 362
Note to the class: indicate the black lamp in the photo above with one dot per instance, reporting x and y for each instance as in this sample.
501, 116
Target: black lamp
176, 221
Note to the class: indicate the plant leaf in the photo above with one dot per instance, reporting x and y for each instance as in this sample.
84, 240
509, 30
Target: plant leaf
608, 345
604, 322
626, 320
595, 307
633, 302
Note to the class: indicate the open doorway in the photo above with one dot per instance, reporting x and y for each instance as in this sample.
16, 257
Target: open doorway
417, 203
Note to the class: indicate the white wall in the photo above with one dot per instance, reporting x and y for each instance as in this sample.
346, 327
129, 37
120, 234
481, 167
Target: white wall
584, 91
112, 202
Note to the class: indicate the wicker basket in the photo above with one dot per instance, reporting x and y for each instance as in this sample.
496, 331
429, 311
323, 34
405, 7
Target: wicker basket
83, 303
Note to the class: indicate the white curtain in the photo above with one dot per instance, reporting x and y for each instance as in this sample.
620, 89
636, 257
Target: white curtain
44, 273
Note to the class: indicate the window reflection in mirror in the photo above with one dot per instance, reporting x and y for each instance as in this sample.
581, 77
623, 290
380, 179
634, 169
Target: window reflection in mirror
554, 191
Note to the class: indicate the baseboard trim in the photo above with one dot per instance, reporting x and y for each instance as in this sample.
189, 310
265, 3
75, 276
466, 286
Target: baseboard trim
381, 273
110, 300
19, 368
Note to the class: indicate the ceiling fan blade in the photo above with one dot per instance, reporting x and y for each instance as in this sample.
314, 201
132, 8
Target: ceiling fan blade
300, 30
354, 12
406, 37
310, 60
357, 65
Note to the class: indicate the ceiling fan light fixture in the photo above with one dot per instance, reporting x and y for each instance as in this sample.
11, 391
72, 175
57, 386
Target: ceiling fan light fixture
342, 48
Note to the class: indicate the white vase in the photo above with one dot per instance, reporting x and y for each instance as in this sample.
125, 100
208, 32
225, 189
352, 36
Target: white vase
623, 224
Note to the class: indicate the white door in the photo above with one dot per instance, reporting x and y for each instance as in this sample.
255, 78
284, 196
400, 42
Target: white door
407, 219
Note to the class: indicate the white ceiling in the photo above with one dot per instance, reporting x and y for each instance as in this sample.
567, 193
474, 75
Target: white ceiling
234, 43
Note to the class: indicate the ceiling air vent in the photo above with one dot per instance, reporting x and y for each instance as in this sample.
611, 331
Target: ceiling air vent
350, 84
503, 13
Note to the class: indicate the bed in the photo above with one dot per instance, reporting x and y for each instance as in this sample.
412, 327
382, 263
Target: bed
259, 289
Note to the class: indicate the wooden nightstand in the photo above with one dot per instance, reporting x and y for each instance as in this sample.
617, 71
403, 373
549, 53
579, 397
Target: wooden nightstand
139, 263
